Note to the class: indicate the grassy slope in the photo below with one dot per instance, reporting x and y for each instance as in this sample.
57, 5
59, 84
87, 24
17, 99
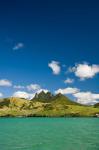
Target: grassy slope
59, 106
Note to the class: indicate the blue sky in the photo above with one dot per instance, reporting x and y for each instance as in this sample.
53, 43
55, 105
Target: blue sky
33, 34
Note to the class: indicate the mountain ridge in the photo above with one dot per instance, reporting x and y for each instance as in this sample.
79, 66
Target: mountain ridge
45, 105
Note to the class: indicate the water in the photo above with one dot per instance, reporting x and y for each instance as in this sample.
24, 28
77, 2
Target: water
49, 133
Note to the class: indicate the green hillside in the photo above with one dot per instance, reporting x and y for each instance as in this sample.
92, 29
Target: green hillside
45, 105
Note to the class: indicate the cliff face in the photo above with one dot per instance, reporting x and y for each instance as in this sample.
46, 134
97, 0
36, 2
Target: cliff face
45, 104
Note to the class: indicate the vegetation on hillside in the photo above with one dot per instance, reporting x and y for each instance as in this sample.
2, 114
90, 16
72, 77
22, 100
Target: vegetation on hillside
45, 105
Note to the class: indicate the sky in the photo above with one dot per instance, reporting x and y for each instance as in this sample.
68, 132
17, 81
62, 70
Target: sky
50, 45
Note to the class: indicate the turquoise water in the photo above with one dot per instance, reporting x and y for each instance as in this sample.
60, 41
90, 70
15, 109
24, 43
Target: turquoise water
49, 133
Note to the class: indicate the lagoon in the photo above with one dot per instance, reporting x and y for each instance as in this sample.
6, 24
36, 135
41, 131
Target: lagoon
49, 133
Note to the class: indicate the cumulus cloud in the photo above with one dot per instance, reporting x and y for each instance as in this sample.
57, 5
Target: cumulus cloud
85, 71
5, 82
68, 90
69, 80
23, 94
18, 87
18, 46
40, 90
33, 87
1, 94
54, 65
26, 95
86, 97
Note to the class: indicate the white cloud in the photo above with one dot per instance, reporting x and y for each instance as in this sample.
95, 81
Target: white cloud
1, 94
18, 87
54, 65
5, 82
23, 94
68, 80
85, 71
33, 87
40, 90
26, 95
36, 88
18, 46
86, 97
68, 90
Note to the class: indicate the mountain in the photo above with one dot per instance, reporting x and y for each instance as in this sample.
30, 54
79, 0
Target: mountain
45, 105
50, 98
43, 97
63, 100
96, 105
